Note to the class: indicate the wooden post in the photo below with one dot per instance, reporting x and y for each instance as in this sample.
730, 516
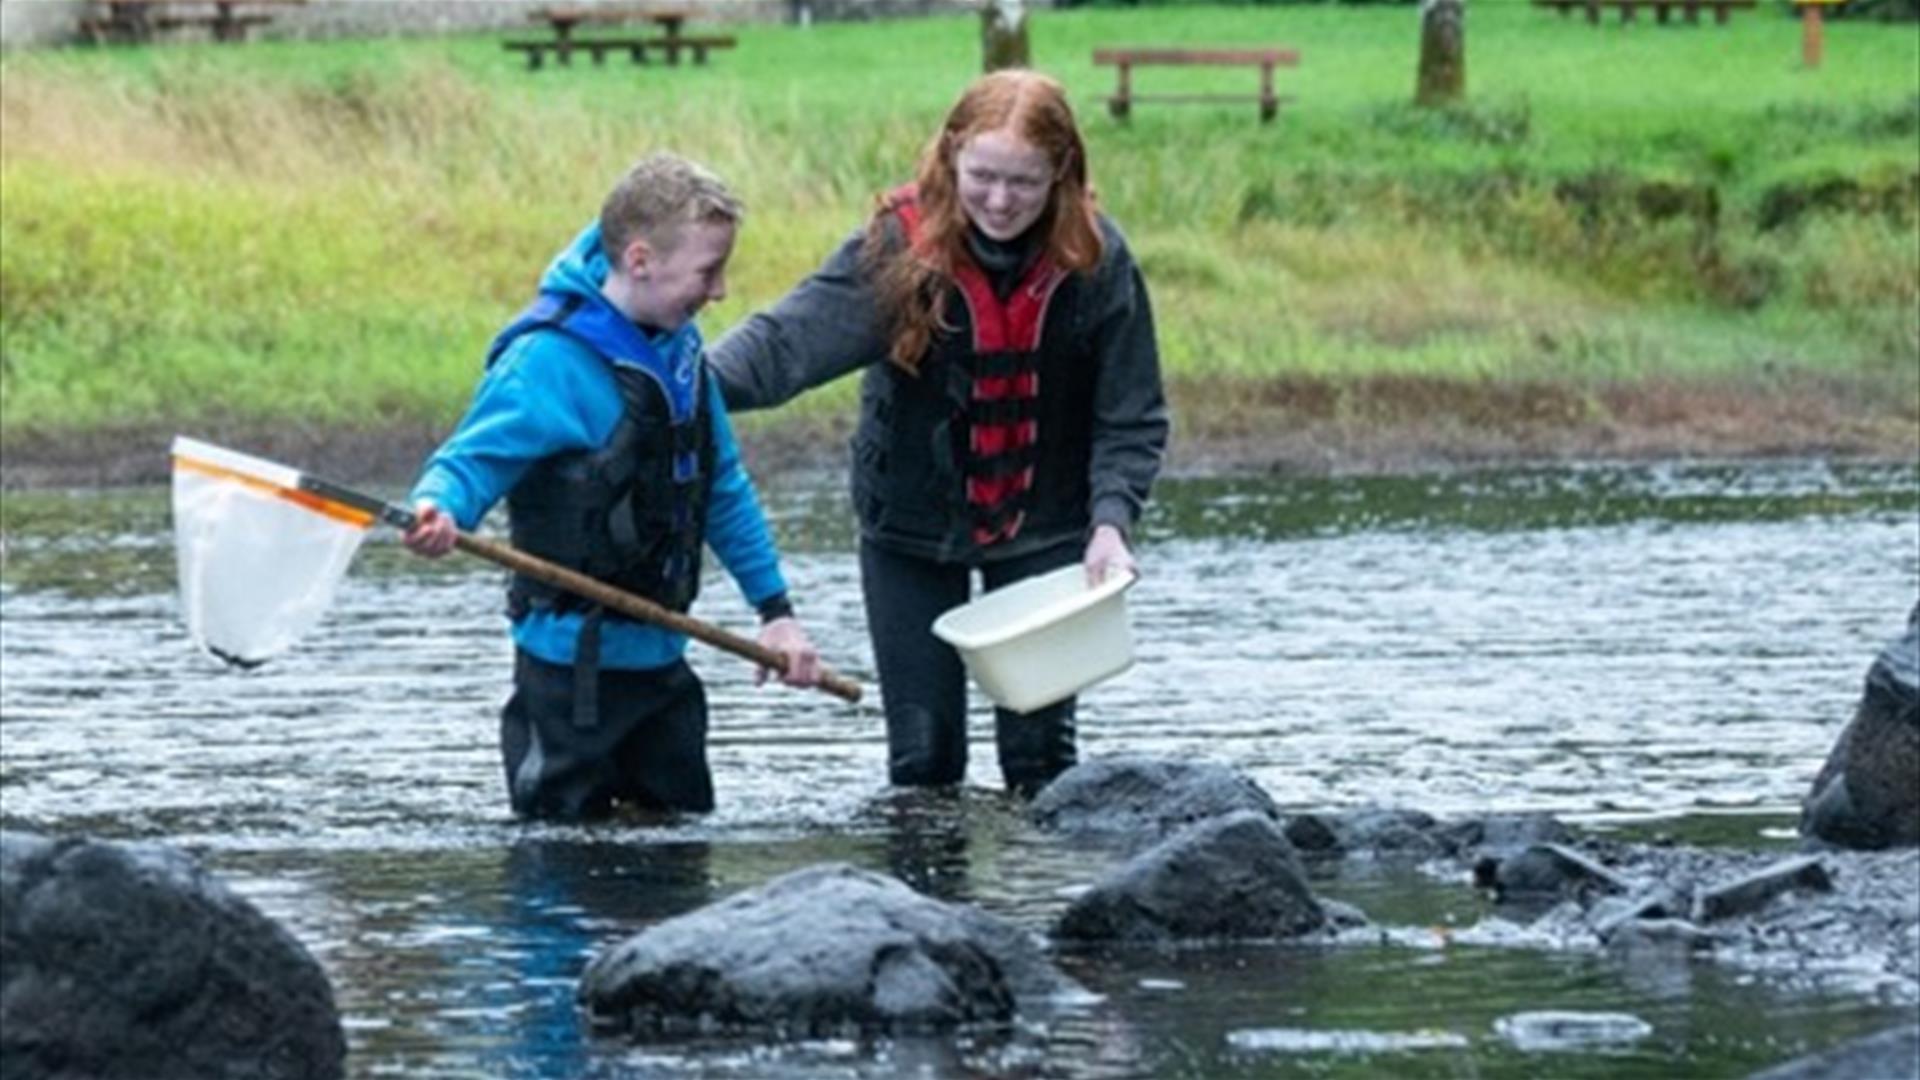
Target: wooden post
1003, 35
1443, 52
1812, 36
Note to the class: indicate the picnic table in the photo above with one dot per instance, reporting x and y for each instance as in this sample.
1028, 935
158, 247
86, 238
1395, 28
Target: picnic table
135, 22
563, 20
671, 40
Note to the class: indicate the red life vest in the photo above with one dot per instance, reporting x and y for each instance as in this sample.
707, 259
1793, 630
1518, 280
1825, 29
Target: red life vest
1003, 425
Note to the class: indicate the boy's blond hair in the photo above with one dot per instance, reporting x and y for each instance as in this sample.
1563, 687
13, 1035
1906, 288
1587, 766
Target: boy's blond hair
662, 192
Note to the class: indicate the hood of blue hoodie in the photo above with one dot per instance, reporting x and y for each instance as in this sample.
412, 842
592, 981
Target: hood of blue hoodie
580, 268
671, 357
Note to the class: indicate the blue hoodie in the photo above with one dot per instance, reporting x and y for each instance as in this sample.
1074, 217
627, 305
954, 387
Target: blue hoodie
550, 394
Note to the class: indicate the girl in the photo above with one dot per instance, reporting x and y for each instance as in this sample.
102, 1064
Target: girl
1011, 415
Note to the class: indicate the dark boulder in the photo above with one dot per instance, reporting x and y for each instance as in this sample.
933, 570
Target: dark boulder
1366, 830
130, 960
1137, 795
1867, 795
824, 950
1547, 871
1233, 877
1501, 835
1387, 832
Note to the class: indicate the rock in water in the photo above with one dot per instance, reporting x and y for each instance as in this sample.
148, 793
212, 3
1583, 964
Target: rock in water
129, 960
1564, 1031
1867, 795
825, 950
1234, 877
1140, 795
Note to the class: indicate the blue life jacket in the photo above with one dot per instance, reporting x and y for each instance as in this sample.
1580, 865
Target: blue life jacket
634, 512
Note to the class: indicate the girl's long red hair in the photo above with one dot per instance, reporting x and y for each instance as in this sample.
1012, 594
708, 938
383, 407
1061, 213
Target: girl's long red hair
912, 282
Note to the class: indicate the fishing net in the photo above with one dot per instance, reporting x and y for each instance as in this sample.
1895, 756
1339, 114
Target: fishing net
259, 556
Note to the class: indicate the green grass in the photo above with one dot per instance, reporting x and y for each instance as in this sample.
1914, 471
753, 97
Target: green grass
329, 232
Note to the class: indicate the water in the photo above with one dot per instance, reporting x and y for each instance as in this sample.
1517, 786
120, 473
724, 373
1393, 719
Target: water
1669, 648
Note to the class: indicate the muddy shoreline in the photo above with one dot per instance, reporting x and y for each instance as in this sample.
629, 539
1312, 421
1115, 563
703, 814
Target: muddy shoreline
1292, 425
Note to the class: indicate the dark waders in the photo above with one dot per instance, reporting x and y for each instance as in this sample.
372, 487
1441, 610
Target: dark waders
923, 682
643, 742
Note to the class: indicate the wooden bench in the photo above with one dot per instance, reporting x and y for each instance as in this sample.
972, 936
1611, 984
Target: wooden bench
225, 27
564, 20
1121, 103
636, 48
134, 22
1662, 9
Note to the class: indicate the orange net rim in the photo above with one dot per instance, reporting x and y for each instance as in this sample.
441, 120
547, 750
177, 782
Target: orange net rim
338, 511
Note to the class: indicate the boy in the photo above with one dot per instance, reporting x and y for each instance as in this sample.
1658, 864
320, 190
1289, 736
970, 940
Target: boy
597, 421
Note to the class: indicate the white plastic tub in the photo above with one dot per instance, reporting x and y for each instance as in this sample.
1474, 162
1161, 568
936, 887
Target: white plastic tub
1043, 639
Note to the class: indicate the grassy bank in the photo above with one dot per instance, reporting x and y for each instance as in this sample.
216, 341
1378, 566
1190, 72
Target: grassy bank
318, 236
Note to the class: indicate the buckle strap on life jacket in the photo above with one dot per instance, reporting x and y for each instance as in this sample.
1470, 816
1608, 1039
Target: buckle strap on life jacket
586, 671
1003, 437
993, 443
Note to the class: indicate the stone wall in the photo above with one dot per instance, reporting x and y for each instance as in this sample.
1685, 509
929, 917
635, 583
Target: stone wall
54, 22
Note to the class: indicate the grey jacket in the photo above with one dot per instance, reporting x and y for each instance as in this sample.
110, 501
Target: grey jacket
829, 325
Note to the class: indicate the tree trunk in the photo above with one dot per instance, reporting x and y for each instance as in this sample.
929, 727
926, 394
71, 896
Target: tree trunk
1443, 52
1003, 35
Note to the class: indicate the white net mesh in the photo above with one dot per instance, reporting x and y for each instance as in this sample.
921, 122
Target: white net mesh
259, 560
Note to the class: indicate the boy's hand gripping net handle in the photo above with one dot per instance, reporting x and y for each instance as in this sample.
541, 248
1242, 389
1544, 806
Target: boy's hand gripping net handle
626, 603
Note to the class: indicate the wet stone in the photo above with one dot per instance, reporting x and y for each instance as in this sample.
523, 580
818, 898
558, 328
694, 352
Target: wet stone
1654, 934
1396, 832
1226, 878
1134, 795
1546, 870
825, 950
1367, 830
1864, 930
1557, 1031
1342, 915
1355, 1043
1755, 891
1867, 793
1500, 835
130, 960
1659, 901
1314, 835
